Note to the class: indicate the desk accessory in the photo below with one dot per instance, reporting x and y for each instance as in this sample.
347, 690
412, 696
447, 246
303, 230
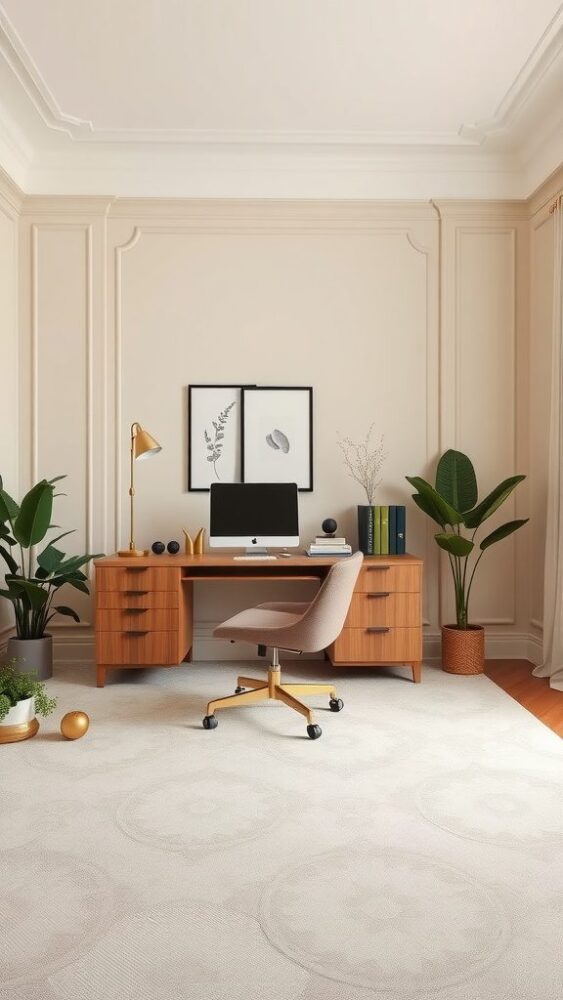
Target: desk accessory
173, 548
143, 445
158, 548
188, 543
194, 546
329, 527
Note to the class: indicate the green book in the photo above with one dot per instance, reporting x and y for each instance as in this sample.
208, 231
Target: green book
384, 533
377, 531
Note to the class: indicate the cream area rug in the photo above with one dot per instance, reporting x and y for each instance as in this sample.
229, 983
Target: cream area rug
415, 850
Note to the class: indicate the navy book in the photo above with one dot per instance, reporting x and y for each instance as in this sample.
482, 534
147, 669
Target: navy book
365, 529
392, 529
401, 519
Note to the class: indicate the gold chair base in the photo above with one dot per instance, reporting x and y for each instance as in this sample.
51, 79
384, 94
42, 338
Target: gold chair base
273, 689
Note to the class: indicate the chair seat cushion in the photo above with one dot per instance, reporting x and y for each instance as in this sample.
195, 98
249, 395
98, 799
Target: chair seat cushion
257, 625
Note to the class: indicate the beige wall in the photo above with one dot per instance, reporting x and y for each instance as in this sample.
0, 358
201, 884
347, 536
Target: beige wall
9, 441
410, 315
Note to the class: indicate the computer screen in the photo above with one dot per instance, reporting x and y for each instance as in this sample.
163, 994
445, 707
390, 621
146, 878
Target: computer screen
253, 514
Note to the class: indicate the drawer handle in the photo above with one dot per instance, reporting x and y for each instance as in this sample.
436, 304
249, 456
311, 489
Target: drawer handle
377, 628
136, 632
136, 592
135, 611
376, 569
136, 569
379, 593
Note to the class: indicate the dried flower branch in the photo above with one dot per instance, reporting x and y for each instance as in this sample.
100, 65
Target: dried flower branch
364, 462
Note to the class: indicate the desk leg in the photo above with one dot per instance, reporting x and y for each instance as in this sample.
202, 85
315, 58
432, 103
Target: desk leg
100, 676
416, 667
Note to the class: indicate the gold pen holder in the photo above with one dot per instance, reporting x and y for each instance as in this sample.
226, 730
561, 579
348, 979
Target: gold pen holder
194, 546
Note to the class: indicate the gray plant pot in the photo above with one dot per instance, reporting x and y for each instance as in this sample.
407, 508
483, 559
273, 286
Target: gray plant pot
36, 654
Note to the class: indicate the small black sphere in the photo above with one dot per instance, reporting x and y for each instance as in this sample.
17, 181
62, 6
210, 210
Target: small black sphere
173, 548
158, 548
329, 526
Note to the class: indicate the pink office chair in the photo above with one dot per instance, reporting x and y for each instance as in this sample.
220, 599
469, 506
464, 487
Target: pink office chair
303, 628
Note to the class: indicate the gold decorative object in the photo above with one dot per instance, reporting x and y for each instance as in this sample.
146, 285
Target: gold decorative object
189, 543
143, 445
23, 731
198, 542
74, 725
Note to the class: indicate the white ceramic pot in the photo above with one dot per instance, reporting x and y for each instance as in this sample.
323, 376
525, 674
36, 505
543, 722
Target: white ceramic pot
22, 712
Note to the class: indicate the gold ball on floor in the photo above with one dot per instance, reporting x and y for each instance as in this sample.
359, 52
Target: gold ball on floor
74, 725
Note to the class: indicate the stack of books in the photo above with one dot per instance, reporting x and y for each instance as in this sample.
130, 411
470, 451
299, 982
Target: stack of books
329, 545
382, 530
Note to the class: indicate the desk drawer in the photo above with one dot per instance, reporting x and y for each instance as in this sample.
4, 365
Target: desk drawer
137, 647
392, 577
393, 645
384, 608
125, 619
133, 578
114, 599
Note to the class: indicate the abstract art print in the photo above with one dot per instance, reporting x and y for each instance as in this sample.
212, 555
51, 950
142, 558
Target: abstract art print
214, 435
277, 435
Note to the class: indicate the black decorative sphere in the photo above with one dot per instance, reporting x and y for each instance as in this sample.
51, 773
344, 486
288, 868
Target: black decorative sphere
158, 548
173, 548
329, 526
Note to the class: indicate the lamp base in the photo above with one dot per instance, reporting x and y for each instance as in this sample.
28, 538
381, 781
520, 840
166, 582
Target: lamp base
132, 553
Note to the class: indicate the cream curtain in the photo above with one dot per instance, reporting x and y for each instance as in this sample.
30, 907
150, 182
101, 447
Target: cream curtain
552, 665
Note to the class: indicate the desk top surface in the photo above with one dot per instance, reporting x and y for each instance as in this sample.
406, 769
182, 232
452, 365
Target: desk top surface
218, 560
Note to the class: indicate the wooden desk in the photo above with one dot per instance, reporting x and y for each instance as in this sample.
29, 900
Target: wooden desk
144, 607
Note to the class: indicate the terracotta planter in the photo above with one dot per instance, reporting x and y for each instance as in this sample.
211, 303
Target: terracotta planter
20, 722
35, 656
463, 649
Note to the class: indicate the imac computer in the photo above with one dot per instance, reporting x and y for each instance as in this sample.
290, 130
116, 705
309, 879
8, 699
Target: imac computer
253, 515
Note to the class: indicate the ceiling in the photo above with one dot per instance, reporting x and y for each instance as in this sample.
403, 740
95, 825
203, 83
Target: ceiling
352, 98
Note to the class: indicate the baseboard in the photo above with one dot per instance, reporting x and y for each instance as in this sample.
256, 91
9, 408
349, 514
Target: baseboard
79, 649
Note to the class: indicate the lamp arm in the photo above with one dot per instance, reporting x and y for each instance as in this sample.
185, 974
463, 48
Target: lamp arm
134, 427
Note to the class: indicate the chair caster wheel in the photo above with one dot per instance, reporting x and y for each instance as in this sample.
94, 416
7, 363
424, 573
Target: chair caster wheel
313, 732
210, 722
239, 690
336, 704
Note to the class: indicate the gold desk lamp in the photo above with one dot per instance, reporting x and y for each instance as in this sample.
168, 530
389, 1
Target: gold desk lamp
143, 445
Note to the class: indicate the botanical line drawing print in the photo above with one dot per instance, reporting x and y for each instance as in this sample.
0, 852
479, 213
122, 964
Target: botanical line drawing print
215, 443
278, 440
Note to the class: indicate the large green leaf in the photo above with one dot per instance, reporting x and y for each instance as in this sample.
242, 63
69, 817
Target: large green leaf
447, 513
456, 545
74, 563
9, 509
50, 558
10, 561
455, 480
64, 610
475, 517
427, 507
32, 522
35, 594
502, 532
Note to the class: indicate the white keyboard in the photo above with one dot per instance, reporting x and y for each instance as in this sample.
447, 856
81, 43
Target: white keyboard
252, 558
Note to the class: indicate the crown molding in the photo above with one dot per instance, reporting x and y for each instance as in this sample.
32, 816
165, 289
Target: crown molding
10, 192
88, 205
544, 54
282, 211
480, 210
545, 194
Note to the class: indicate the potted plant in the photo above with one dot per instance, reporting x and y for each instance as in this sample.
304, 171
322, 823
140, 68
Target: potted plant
453, 504
33, 580
22, 696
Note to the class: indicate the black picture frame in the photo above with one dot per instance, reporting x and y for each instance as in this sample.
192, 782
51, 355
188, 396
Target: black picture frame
255, 447
197, 479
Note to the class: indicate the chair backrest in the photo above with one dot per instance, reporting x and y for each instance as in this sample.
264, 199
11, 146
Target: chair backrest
323, 621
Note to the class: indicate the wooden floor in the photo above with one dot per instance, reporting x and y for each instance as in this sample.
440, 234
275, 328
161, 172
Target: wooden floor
534, 693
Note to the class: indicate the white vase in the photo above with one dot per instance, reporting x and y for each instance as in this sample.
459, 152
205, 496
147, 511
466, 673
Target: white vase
20, 722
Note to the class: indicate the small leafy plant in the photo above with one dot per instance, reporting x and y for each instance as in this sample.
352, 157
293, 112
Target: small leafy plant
33, 581
452, 504
215, 444
16, 687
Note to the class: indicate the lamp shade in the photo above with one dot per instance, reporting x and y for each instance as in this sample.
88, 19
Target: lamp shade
144, 445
